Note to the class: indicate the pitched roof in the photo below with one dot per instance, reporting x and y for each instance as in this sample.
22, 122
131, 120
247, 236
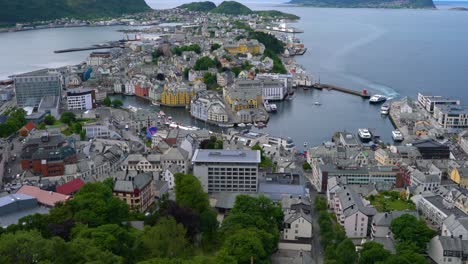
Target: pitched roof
43, 197
70, 187
30, 126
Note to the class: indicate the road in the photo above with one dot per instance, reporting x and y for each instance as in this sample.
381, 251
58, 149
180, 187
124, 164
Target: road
317, 251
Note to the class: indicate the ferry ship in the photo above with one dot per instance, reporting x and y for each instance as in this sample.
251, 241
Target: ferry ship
375, 99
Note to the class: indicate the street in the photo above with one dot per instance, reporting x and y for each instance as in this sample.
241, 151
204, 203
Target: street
317, 251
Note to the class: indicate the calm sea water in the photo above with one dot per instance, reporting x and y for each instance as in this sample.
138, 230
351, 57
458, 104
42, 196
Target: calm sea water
392, 52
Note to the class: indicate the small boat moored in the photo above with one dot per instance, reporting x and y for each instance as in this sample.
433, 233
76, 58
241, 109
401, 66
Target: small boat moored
397, 135
375, 99
385, 109
241, 125
364, 134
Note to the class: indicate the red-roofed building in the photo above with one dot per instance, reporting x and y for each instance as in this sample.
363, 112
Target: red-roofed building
43, 197
24, 131
70, 187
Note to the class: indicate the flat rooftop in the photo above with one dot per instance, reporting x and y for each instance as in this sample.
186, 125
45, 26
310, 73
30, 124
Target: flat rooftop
226, 156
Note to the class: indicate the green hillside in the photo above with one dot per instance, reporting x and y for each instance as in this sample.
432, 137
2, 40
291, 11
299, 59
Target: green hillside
12, 11
234, 8
199, 6
367, 3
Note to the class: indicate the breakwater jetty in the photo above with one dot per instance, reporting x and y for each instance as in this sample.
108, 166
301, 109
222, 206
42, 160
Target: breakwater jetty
362, 93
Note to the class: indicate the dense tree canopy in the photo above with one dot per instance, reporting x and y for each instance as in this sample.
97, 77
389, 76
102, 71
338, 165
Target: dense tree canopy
178, 50
205, 63
165, 240
408, 229
67, 118
16, 120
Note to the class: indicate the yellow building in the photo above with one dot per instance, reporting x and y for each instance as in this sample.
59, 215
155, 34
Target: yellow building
460, 176
177, 96
244, 46
244, 94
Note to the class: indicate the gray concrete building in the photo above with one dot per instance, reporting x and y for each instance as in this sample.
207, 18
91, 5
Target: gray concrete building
227, 170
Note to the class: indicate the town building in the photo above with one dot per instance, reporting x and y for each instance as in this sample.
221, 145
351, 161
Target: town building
353, 213
47, 155
43, 197
208, 106
451, 116
31, 87
81, 99
430, 102
136, 190
16, 206
177, 95
97, 58
243, 94
460, 176
244, 46
227, 170
431, 149
448, 250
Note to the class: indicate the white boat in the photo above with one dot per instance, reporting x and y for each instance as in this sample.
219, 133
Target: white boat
375, 99
384, 112
226, 125
241, 125
385, 107
397, 135
317, 103
273, 107
156, 103
364, 134
249, 124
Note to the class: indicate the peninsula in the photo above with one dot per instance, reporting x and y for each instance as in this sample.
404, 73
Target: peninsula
35, 10
234, 8
366, 3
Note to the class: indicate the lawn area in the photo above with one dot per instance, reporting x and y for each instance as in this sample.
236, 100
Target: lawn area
391, 201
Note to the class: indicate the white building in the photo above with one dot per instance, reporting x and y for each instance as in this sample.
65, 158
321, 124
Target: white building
297, 225
448, 250
227, 170
451, 116
429, 102
455, 227
81, 99
208, 106
353, 213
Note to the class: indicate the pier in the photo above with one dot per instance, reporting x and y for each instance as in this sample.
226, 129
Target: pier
362, 94
96, 47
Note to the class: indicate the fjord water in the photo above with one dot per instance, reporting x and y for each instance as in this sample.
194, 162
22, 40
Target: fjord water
392, 52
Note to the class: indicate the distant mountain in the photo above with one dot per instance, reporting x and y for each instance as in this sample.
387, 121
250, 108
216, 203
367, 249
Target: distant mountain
199, 6
12, 11
234, 8
367, 3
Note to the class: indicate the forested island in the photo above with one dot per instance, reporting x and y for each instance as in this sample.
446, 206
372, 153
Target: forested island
366, 3
234, 8
37, 10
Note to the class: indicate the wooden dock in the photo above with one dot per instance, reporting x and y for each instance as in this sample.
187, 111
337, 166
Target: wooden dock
342, 89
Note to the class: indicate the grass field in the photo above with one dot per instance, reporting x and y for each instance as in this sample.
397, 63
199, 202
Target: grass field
391, 201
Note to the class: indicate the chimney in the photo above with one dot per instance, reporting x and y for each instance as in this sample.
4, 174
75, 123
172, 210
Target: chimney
349, 199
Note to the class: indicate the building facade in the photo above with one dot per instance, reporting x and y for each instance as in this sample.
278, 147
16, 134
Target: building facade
227, 170
30, 88
81, 99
